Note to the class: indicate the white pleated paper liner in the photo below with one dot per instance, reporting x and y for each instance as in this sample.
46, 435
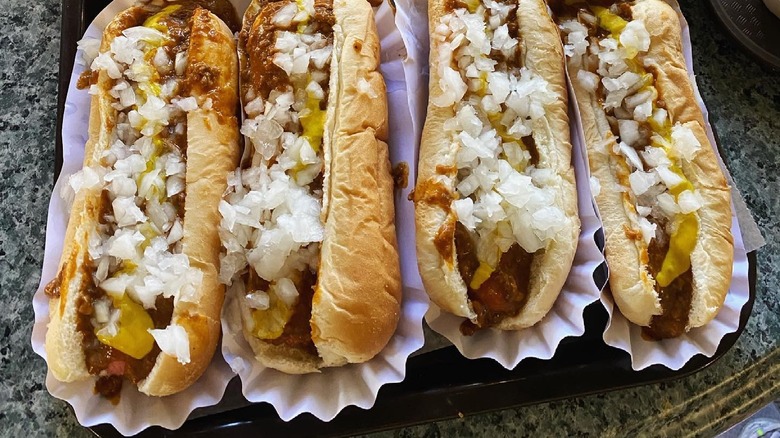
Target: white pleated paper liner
326, 393
674, 353
135, 411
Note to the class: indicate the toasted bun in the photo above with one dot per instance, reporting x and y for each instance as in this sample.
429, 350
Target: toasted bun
435, 221
631, 284
356, 303
212, 151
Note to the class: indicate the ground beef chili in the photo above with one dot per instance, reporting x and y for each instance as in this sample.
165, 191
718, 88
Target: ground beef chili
178, 21
297, 331
100, 357
260, 38
401, 175
435, 193
504, 293
675, 298
530, 146
52, 290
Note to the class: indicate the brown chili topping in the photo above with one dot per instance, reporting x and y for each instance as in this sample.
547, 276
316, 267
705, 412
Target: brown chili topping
107, 362
86, 78
675, 298
255, 282
178, 21
530, 146
445, 238
504, 293
259, 39
467, 253
297, 331
433, 193
52, 290
449, 170
401, 175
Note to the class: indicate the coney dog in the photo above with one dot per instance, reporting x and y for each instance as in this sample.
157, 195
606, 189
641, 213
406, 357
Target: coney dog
307, 222
495, 200
663, 198
137, 295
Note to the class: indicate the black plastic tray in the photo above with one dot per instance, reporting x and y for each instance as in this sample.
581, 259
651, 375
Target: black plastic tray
440, 384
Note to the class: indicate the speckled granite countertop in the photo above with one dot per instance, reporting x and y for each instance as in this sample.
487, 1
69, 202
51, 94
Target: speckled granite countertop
744, 102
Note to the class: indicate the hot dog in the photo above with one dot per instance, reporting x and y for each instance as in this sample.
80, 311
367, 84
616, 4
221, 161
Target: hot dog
307, 222
137, 295
495, 201
662, 196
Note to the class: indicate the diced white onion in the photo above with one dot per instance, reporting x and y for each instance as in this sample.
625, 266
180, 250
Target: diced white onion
588, 80
669, 177
647, 228
286, 291
689, 201
173, 341
631, 155
685, 142
642, 181
258, 300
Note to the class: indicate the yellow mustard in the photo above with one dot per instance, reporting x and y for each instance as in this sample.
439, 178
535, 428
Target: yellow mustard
471, 5
270, 322
609, 21
132, 337
313, 122
483, 272
155, 191
302, 25
128, 267
663, 129
148, 232
683, 239
483, 84
154, 21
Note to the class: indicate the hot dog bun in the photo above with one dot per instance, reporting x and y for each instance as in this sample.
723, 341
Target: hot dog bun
211, 151
541, 56
628, 252
350, 275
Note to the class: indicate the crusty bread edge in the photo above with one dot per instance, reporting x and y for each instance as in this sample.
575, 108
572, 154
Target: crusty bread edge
357, 300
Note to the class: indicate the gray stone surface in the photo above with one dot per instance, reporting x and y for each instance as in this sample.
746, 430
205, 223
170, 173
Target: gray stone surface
744, 100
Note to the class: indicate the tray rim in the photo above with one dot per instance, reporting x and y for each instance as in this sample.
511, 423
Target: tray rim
73, 23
